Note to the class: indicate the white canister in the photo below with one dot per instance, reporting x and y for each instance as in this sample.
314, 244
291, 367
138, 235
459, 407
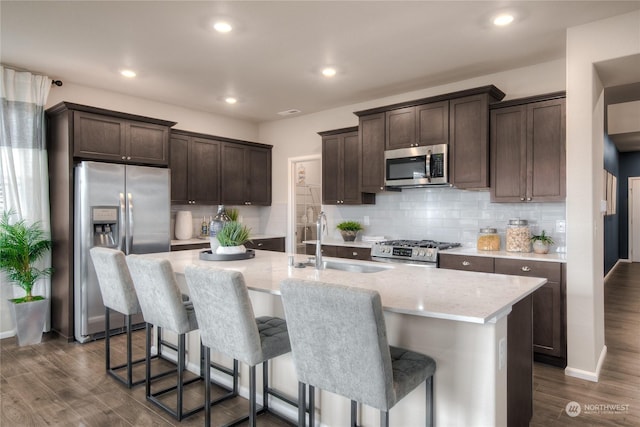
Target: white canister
184, 225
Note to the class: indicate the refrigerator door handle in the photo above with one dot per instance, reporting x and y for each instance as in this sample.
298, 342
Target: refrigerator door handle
121, 230
130, 223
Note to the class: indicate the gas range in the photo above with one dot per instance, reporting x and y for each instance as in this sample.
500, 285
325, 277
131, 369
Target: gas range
409, 251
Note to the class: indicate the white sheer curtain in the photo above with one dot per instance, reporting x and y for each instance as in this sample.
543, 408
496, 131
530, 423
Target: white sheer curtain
24, 180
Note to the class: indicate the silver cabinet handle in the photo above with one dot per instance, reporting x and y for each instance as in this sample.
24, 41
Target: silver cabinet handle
522, 199
124, 158
128, 157
525, 268
529, 199
355, 253
260, 244
466, 263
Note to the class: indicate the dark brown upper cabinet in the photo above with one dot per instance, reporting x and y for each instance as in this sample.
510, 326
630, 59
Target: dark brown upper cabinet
371, 134
341, 166
426, 124
195, 169
246, 174
112, 138
469, 142
528, 154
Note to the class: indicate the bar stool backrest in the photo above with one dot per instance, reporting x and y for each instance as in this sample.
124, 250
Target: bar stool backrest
225, 313
116, 286
339, 340
159, 293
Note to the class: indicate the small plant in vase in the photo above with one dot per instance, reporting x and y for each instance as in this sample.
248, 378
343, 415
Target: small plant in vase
232, 238
21, 246
349, 230
541, 243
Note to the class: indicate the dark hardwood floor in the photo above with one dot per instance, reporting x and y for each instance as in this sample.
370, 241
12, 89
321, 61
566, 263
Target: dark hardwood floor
61, 384
619, 382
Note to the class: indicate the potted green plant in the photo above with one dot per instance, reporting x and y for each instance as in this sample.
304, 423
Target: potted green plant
232, 238
21, 246
541, 243
349, 230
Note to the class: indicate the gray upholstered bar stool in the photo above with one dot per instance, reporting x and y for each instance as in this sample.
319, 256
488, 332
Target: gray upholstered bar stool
118, 294
339, 344
228, 325
162, 306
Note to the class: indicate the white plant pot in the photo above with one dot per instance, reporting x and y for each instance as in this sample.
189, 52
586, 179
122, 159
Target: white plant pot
540, 248
230, 250
29, 318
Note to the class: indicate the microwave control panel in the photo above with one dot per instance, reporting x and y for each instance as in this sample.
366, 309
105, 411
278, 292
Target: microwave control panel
437, 165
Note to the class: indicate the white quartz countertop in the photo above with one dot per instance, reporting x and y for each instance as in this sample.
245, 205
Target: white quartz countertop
421, 291
198, 241
526, 256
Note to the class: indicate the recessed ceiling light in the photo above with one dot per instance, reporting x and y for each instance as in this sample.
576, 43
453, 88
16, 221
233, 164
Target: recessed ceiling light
230, 100
128, 73
222, 27
503, 19
329, 72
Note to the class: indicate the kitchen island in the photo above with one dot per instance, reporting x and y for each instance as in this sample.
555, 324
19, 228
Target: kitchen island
458, 318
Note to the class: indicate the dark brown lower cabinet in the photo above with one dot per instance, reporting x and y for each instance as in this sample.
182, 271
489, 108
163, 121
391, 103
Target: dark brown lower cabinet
520, 364
549, 301
275, 244
349, 252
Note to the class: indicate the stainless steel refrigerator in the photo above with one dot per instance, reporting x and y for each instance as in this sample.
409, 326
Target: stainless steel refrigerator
119, 206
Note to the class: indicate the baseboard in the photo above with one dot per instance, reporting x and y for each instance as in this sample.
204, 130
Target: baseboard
7, 334
588, 375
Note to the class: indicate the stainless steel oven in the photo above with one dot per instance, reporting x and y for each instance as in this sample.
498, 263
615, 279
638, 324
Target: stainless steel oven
416, 252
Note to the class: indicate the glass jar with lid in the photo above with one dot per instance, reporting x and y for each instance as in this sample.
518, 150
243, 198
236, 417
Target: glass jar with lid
518, 236
488, 239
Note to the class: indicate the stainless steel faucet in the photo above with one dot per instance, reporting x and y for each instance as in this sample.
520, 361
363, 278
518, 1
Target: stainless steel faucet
321, 224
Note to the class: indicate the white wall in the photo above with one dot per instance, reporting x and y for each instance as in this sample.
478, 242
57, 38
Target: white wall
192, 120
586, 45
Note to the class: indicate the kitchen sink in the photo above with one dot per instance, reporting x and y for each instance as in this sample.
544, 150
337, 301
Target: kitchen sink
354, 268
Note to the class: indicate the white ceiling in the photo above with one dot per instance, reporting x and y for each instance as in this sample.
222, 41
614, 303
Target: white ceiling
271, 61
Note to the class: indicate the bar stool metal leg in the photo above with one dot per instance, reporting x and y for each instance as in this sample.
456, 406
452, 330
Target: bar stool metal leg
429, 387
354, 413
302, 399
312, 405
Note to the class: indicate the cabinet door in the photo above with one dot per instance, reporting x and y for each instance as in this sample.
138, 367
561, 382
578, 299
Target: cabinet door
147, 143
433, 123
259, 170
204, 171
332, 170
351, 156
546, 151
400, 128
179, 163
508, 154
233, 176
469, 142
98, 137
371, 131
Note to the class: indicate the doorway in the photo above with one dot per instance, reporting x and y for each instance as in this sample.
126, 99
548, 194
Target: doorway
634, 219
305, 198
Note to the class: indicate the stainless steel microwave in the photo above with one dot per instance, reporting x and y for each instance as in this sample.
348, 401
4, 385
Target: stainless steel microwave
416, 166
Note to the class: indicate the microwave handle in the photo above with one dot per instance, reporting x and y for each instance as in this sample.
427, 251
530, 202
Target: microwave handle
428, 169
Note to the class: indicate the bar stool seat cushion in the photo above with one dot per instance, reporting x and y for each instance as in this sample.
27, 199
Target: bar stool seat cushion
410, 369
274, 337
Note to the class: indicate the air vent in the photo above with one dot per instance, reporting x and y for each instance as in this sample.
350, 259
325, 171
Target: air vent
289, 112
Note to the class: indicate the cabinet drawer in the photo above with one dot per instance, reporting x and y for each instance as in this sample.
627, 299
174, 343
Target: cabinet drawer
466, 263
326, 250
549, 270
275, 244
353, 253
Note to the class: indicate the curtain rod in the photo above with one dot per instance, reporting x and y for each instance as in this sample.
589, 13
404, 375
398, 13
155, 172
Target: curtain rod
56, 82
